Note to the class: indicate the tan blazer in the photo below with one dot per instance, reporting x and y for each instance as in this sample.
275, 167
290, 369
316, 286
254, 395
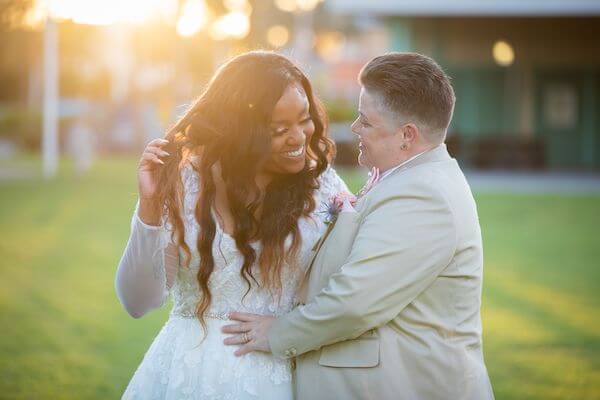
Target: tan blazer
391, 306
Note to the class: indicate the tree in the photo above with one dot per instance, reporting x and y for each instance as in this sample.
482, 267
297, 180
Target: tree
13, 13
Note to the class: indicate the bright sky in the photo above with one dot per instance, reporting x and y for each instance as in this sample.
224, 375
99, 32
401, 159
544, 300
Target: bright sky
105, 12
192, 17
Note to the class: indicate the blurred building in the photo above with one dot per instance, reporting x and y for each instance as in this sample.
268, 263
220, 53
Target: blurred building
526, 72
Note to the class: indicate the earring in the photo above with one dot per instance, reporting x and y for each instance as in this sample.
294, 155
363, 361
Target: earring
404, 146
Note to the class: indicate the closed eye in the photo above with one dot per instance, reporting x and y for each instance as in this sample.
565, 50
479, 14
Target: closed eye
283, 130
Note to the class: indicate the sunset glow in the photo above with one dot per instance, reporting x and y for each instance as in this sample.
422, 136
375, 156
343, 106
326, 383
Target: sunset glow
233, 25
193, 18
107, 12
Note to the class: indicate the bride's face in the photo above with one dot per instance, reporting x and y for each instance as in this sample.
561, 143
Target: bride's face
291, 129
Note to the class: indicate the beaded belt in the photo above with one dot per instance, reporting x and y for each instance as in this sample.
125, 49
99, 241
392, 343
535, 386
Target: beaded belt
223, 316
210, 315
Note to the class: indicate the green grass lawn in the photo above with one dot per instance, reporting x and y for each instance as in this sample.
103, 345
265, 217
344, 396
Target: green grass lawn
65, 336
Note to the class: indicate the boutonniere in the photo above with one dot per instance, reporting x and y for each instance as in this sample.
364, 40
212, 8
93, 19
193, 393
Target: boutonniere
341, 202
345, 201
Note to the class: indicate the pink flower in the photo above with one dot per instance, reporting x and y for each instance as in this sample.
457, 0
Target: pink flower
341, 202
344, 201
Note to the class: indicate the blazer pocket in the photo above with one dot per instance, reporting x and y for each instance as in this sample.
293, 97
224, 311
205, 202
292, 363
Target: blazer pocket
362, 352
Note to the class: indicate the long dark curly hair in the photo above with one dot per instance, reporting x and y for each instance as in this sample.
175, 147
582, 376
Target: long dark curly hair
229, 126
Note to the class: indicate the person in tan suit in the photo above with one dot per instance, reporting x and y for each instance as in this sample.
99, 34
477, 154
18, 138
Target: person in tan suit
390, 307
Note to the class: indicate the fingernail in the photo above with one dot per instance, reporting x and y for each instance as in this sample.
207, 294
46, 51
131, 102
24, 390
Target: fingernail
161, 161
164, 153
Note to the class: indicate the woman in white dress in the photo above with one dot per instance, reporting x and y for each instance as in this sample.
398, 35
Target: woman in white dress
231, 203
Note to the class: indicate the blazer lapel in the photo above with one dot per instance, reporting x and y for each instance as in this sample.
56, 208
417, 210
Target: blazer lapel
315, 251
437, 154
319, 244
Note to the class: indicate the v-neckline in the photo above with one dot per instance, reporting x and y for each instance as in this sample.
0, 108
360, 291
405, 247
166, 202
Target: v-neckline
225, 234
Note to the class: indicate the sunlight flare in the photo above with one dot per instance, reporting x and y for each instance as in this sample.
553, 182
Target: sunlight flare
107, 12
193, 18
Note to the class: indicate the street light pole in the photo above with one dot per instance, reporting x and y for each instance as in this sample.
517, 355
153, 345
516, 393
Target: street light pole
302, 11
50, 108
303, 36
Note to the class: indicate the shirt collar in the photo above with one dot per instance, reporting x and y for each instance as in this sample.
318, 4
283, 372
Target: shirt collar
389, 171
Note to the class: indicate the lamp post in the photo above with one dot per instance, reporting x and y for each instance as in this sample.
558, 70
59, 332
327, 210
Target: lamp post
303, 35
303, 25
50, 105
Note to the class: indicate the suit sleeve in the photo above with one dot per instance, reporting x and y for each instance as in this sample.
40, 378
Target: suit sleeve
402, 245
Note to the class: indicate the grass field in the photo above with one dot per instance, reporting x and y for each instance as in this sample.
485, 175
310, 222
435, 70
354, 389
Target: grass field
65, 336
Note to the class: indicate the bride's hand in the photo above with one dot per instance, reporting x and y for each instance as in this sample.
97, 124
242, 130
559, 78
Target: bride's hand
250, 332
148, 168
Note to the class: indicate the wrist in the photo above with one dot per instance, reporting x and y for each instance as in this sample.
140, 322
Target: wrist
149, 211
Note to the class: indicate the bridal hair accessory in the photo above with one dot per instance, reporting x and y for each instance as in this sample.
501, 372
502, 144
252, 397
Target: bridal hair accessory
345, 201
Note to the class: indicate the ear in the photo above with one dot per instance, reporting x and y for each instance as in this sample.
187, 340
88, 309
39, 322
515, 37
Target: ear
410, 133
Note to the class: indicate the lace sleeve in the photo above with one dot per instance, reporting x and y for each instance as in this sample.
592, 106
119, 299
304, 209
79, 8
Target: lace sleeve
147, 267
150, 261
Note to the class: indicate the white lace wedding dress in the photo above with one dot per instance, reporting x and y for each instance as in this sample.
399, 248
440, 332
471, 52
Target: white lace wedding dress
183, 362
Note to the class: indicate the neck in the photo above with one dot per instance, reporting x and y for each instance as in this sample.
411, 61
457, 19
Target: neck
405, 156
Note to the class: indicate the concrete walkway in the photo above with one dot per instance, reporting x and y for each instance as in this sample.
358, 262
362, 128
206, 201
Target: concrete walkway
480, 181
534, 182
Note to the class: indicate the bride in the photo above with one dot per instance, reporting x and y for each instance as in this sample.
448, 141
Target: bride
231, 203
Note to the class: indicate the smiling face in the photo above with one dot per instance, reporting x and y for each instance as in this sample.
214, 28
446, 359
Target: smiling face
378, 133
291, 128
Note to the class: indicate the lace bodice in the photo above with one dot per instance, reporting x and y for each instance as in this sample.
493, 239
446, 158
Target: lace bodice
226, 284
144, 281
